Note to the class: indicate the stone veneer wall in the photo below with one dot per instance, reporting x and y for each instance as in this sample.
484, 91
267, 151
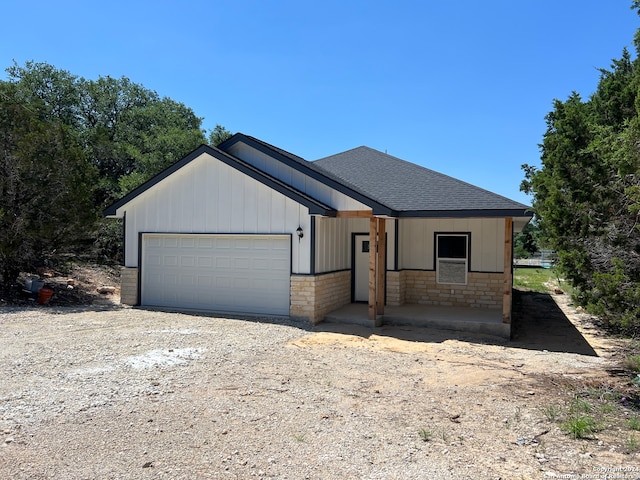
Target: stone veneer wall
312, 297
418, 286
129, 285
396, 287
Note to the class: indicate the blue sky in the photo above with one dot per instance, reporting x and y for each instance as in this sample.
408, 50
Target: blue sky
459, 87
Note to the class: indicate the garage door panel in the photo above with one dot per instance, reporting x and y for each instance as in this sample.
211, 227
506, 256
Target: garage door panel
187, 261
170, 242
241, 263
236, 273
169, 261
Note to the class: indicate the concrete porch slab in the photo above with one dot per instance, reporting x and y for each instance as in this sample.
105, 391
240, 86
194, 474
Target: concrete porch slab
471, 320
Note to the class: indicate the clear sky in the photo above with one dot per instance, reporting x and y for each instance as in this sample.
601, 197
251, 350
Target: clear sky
461, 87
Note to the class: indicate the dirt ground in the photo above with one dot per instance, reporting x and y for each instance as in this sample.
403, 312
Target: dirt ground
110, 392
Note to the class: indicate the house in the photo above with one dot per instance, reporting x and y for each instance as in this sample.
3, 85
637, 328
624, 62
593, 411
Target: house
250, 228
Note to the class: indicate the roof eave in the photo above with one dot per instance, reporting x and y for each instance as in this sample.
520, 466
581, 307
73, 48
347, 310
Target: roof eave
471, 213
304, 167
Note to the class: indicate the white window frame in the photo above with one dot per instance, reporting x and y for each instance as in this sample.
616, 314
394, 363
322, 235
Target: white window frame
451, 261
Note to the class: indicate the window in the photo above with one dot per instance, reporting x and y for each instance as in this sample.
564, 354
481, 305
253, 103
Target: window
452, 258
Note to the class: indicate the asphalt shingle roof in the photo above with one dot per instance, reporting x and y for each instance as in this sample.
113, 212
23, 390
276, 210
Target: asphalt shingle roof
407, 187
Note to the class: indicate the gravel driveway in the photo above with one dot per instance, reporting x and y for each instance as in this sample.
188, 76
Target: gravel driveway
121, 393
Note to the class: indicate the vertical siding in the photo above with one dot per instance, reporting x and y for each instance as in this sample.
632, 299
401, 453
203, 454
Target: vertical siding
417, 242
333, 242
208, 196
293, 177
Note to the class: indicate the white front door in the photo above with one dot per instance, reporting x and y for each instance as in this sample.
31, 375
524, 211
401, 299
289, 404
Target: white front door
361, 268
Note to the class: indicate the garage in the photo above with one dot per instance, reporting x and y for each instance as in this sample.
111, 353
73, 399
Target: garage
218, 272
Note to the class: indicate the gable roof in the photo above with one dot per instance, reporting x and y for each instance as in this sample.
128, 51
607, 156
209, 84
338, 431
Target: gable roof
314, 206
309, 168
389, 185
415, 191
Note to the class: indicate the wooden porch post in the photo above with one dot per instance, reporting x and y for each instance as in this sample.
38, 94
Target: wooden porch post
373, 248
381, 267
508, 271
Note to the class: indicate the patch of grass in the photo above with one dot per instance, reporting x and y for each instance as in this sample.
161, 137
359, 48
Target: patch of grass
425, 435
632, 444
534, 279
580, 426
634, 422
607, 408
299, 437
552, 412
632, 363
580, 405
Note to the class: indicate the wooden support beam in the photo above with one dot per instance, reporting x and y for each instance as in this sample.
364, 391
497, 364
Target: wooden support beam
373, 248
354, 214
507, 291
381, 268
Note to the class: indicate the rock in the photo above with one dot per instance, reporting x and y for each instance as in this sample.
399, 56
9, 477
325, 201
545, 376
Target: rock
9, 440
105, 289
558, 291
147, 465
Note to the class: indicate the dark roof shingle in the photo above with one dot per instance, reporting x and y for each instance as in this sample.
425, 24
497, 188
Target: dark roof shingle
407, 187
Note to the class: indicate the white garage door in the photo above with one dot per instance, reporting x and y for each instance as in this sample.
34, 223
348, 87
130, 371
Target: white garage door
226, 273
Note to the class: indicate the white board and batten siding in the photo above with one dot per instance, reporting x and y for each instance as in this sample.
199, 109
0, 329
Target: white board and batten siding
417, 238
296, 179
226, 273
208, 196
334, 237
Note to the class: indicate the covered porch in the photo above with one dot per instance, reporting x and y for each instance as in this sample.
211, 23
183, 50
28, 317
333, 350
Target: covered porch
379, 312
482, 321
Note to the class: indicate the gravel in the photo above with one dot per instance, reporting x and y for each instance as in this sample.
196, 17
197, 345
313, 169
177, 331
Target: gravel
125, 393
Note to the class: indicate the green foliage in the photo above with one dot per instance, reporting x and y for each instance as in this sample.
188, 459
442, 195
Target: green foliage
632, 363
634, 422
586, 195
526, 243
534, 279
615, 291
551, 412
45, 185
125, 128
68, 148
425, 435
219, 135
580, 426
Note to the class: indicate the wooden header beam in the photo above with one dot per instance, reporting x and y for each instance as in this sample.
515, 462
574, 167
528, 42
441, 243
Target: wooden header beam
354, 214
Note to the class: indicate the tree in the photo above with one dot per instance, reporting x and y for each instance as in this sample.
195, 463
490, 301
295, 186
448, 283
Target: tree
45, 184
526, 243
128, 132
219, 135
587, 192
72, 146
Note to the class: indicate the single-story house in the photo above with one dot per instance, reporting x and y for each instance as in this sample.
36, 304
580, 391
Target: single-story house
250, 228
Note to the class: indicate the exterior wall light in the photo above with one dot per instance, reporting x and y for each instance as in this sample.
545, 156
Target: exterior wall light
299, 232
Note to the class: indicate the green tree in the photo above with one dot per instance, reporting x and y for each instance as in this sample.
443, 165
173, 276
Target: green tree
45, 185
123, 131
128, 132
587, 192
218, 135
526, 243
